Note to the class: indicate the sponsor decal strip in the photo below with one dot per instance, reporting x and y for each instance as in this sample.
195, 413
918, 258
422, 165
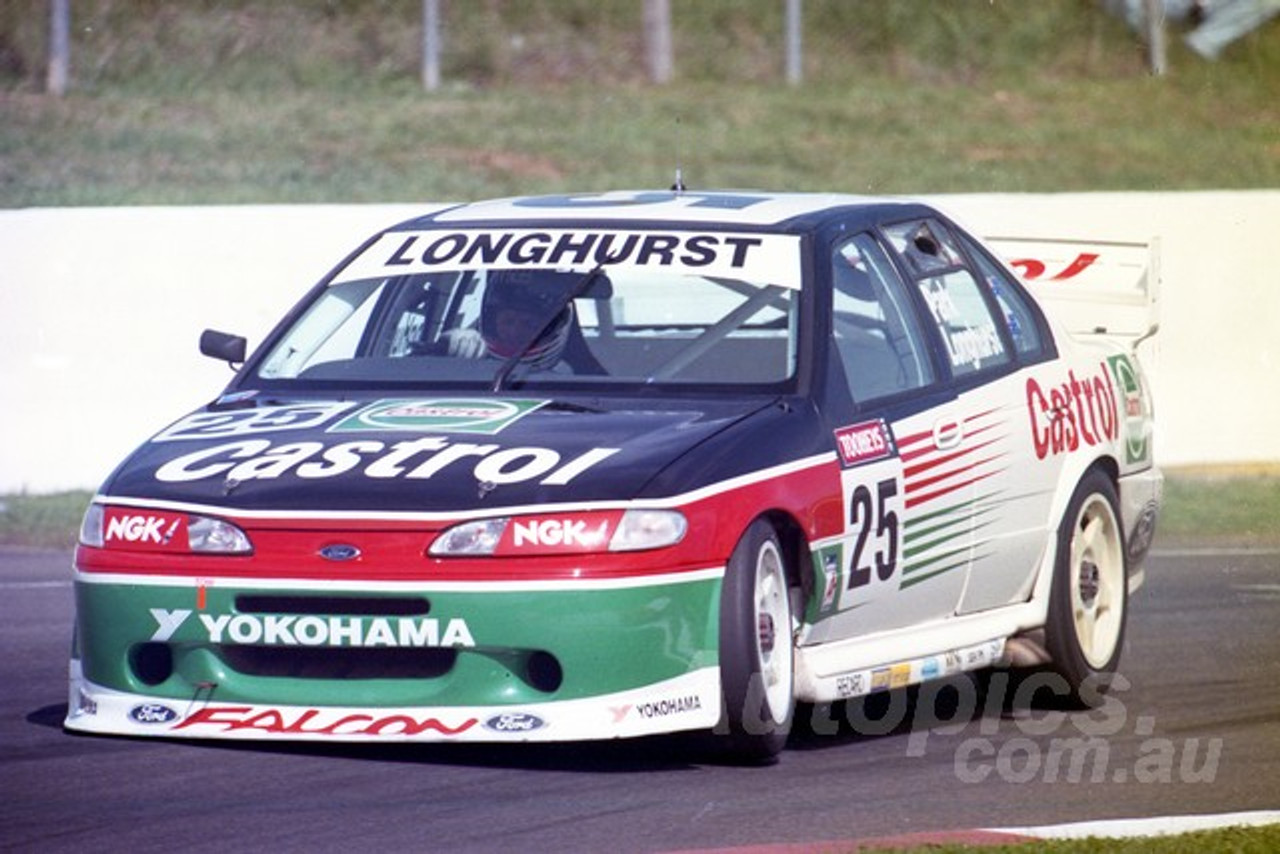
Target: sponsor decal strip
859, 683
961, 464
773, 258
932, 529
689, 701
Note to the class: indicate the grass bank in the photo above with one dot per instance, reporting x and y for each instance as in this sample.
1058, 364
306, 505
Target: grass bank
238, 102
1237, 840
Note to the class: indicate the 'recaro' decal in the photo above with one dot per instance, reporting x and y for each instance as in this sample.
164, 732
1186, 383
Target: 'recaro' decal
439, 415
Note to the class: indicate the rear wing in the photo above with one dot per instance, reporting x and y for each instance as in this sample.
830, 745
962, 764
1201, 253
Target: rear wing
1091, 287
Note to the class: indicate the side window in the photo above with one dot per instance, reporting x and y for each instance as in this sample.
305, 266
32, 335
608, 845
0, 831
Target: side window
969, 330
875, 330
1024, 328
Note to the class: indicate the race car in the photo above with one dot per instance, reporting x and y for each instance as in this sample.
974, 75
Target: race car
587, 467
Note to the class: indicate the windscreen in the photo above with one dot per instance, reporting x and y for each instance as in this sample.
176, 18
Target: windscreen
685, 312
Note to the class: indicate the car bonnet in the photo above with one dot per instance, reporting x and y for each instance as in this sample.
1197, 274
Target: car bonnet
420, 455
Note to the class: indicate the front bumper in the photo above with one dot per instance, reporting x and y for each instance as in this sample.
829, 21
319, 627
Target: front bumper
545, 661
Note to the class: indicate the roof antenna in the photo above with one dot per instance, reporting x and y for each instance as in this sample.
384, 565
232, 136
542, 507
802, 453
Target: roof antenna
678, 187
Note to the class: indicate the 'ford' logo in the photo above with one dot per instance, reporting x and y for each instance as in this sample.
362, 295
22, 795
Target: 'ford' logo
514, 722
153, 713
340, 551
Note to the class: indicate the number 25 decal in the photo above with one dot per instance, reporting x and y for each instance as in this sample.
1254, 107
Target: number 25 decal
874, 516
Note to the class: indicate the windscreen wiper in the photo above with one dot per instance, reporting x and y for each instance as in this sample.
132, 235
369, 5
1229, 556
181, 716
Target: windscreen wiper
509, 364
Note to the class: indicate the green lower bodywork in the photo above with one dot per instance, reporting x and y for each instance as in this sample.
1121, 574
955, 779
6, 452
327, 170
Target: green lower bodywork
488, 648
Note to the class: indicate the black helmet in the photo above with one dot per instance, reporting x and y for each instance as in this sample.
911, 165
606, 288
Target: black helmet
516, 305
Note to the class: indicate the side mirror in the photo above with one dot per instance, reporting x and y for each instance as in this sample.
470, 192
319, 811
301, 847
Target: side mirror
224, 346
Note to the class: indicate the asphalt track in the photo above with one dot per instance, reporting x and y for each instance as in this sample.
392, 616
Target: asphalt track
1192, 727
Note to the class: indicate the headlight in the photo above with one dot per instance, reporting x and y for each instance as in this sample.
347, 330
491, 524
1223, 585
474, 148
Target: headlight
470, 539
565, 533
91, 526
216, 535
142, 529
648, 529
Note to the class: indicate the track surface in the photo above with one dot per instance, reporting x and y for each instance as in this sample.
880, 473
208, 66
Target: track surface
1193, 727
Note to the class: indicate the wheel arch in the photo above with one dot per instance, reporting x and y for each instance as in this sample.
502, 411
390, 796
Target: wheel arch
1066, 488
1088, 598
795, 546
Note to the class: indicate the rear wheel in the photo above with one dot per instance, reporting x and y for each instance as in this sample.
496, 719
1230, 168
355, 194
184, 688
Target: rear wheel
1089, 597
756, 647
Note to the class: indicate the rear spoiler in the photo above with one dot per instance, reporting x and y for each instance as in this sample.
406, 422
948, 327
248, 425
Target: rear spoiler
1092, 288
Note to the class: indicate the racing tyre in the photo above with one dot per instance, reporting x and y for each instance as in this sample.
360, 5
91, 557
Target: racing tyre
756, 650
1088, 602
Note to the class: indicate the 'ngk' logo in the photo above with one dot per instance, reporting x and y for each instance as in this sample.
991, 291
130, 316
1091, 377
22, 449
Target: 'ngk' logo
141, 530
566, 533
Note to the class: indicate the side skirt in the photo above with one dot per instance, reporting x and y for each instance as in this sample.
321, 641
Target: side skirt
860, 666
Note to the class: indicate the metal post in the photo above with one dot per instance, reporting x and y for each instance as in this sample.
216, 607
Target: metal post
59, 73
431, 45
795, 55
1153, 20
657, 36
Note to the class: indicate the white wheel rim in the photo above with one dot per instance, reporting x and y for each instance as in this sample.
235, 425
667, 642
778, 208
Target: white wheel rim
773, 631
1097, 581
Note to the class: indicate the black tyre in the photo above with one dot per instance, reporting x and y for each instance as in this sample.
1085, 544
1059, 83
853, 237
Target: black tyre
756, 648
1088, 603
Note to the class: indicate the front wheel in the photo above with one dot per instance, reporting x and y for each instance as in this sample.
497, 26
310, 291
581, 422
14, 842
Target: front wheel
756, 648
1089, 596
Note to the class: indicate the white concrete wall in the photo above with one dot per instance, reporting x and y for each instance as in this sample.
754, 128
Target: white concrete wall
1217, 355
102, 309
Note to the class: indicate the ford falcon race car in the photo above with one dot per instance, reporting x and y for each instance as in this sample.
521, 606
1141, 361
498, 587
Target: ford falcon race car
572, 468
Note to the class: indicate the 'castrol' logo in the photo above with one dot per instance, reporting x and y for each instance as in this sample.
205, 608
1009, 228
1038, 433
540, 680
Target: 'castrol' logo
419, 458
1077, 412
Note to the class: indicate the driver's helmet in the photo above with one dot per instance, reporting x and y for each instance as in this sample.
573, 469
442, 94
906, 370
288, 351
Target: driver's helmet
518, 303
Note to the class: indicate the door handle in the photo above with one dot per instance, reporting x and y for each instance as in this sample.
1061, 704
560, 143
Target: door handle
948, 433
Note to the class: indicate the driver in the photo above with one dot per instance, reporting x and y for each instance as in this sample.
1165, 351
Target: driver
515, 308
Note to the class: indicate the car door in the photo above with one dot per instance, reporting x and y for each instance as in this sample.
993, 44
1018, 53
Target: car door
1010, 546
895, 563
990, 337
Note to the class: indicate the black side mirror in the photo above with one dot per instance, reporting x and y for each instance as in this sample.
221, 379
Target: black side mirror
222, 345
